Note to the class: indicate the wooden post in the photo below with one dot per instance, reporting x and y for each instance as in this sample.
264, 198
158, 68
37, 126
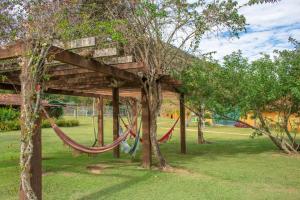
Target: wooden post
182, 125
115, 102
100, 121
147, 155
36, 164
134, 114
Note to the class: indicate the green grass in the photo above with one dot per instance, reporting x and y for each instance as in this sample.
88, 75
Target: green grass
232, 167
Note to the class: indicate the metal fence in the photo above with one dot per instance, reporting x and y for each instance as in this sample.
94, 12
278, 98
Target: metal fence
91, 111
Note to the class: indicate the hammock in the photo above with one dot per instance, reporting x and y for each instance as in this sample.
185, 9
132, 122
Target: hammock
125, 146
167, 136
81, 148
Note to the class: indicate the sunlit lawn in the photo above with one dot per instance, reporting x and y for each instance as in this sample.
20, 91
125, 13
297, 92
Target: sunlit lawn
232, 167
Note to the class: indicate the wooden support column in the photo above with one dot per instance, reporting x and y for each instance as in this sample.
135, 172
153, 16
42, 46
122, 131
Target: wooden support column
147, 155
182, 125
36, 164
115, 102
134, 114
100, 121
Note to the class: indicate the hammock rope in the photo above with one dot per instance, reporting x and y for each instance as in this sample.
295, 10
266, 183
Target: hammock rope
81, 148
134, 147
166, 137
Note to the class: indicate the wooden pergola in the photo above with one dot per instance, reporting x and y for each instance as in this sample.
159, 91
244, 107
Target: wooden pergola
107, 73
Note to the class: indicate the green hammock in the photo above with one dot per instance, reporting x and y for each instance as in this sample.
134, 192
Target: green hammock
125, 147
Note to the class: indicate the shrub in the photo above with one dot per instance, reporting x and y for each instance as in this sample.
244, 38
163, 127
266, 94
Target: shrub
67, 123
207, 124
56, 111
61, 123
15, 124
9, 114
207, 116
46, 124
10, 125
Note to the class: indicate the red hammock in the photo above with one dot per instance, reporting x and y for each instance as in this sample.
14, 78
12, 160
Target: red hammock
163, 139
81, 148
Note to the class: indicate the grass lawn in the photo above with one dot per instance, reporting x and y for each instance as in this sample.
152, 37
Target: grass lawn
232, 167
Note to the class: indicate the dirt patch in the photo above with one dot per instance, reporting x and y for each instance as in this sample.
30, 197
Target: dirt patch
185, 172
178, 170
68, 174
97, 168
47, 173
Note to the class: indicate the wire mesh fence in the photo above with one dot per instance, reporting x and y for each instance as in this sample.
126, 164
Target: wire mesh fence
77, 110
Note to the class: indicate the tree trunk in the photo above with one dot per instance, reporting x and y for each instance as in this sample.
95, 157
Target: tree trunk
201, 119
32, 74
281, 143
153, 90
201, 139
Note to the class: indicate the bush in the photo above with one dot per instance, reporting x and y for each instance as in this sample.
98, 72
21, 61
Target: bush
9, 114
61, 123
46, 124
15, 125
10, 125
207, 124
56, 111
67, 123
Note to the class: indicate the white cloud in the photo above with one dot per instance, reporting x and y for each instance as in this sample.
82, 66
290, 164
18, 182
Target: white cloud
270, 26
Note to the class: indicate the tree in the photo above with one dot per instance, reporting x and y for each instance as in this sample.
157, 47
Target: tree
260, 86
150, 30
198, 85
158, 32
35, 25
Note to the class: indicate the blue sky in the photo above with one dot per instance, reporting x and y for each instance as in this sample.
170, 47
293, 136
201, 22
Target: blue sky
269, 27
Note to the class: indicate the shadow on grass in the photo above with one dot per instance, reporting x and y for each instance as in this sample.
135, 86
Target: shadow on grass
220, 148
106, 192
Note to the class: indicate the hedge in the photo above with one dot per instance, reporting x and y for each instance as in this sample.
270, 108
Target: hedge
15, 124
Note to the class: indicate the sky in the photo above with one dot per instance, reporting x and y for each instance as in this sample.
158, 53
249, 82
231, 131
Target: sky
269, 27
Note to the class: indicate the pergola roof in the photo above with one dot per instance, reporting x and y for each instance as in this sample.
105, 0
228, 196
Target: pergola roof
15, 100
72, 73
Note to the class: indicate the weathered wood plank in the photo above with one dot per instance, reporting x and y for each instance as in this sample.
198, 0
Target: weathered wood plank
118, 60
182, 125
77, 60
12, 51
116, 125
76, 44
105, 52
100, 121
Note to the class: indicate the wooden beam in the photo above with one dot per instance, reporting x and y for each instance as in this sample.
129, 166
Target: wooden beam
182, 125
105, 52
133, 65
98, 53
100, 121
147, 155
12, 51
91, 64
76, 44
118, 60
69, 72
115, 102
135, 116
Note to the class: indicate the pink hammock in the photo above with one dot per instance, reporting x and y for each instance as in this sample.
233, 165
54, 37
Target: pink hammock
81, 148
167, 136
